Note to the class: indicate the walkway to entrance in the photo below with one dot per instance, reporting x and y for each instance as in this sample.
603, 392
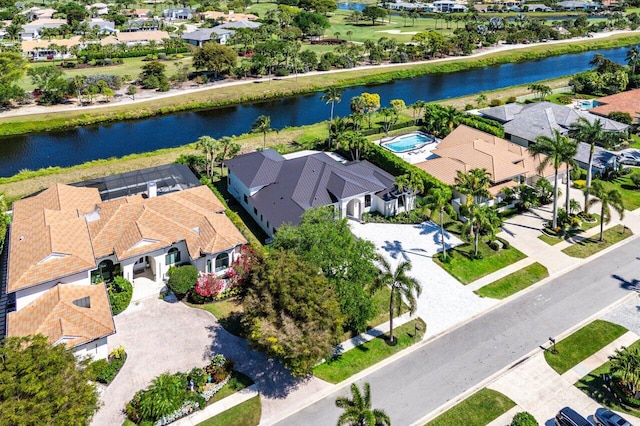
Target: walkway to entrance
144, 286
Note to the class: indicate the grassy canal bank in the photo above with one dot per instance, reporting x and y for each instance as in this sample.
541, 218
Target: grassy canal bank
242, 93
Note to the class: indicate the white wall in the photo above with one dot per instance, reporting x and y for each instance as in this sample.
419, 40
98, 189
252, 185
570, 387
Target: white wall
96, 349
239, 191
28, 295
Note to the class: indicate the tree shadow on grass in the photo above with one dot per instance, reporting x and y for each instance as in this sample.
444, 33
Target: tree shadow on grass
271, 377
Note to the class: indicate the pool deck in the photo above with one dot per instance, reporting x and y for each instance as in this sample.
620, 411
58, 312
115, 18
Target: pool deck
414, 156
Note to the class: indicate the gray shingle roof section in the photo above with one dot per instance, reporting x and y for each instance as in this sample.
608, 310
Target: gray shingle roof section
305, 182
240, 24
256, 168
601, 157
503, 113
542, 118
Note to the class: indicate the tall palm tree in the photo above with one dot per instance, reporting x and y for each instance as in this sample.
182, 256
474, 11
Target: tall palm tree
632, 58
263, 125
608, 198
358, 411
481, 220
439, 199
401, 285
355, 142
551, 151
209, 146
227, 148
409, 185
475, 184
584, 131
337, 129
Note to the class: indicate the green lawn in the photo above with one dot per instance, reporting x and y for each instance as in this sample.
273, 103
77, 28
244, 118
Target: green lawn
237, 382
582, 344
370, 353
594, 385
513, 283
245, 414
479, 409
630, 195
635, 141
590, 246
466, 270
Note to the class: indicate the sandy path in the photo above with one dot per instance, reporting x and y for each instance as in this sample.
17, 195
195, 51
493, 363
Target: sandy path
149, 95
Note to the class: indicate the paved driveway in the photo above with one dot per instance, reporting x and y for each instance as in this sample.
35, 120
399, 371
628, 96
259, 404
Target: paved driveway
161, 337
444, 301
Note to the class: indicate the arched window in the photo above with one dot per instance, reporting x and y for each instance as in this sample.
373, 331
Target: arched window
222, 261
173, 256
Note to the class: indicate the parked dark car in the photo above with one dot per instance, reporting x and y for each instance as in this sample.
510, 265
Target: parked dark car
606, 417
569, 417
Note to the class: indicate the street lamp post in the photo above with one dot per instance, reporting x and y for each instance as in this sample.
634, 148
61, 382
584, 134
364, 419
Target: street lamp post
553, 346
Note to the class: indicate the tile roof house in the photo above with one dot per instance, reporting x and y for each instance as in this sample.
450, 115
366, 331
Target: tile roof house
203, 35
628, 102
63, 239
602, 158
277, 190
524, 123
466, 148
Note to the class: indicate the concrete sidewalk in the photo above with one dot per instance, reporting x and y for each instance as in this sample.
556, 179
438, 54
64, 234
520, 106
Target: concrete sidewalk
218, 407
538, 389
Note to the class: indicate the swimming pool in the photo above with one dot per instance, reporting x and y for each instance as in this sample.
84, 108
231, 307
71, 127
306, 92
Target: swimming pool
408, 142
588, 103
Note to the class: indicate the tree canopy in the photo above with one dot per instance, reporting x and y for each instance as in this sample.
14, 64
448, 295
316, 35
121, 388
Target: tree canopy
215, 58
43, 384
290, 311
12, 68
348, 262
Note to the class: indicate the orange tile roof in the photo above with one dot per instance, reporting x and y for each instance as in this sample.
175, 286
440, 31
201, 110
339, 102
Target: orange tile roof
56, 316
467, 148
628, 102
63, 230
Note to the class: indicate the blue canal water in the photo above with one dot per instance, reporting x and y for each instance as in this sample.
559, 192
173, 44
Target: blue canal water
70, 147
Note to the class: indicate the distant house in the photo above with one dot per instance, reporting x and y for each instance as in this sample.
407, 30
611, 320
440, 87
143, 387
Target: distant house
536, 7
628, 102
449, 6
466, 148
275, 190
178, 13
66, 242
231, 16
201, 36
42, 49
524, 123
602, 158
136, 37
578, 5
97, 9
33, 29
35, 12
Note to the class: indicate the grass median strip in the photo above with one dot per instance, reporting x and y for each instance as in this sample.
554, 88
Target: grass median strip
513, 283
590, 246
244, 414
582, 344
370, 353
479, 409
465, 269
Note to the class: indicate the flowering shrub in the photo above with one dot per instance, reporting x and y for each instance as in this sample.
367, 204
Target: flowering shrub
208, 285
240, 268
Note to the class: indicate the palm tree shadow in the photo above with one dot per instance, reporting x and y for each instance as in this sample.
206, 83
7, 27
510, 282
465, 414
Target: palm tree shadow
271, 377
633, 285
395, 250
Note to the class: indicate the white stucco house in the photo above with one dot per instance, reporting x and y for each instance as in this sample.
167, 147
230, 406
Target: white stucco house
66, 242
278, 189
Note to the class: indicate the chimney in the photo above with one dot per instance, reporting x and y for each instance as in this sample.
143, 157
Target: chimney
152, 189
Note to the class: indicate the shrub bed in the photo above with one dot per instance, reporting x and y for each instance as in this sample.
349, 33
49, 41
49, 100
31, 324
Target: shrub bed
173, 396
120, 293
105, 370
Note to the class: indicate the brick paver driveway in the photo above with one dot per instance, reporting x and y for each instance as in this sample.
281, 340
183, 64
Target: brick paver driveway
160, 337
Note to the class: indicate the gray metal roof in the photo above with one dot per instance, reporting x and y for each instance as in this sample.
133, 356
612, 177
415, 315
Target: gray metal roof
502, 113
204, 34
240, 24
295, 185
542, 118
602, 158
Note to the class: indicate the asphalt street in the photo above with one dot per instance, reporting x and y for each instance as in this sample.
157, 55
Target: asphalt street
439, 371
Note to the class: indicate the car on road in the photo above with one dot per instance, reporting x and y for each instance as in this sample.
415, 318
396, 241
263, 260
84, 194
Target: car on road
606, 417
629, 159
569, 417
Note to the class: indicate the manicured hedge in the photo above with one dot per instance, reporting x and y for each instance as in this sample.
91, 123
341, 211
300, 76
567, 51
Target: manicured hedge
484, 124
120, 293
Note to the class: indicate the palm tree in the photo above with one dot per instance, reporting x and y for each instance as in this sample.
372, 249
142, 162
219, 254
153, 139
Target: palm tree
439, 199
337, 129
632, 58
227, 148
584, 131
475, 184
625, 363
209, 147
402, 286
409, 185
357, 409
551, 151
608, 198
481, 220
355, 142
263, 125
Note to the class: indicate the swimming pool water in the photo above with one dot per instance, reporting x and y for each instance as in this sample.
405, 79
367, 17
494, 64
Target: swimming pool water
407, 142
